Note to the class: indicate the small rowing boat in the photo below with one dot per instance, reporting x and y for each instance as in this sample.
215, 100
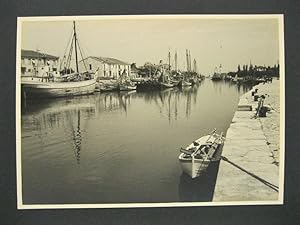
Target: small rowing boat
197, 156
127, 87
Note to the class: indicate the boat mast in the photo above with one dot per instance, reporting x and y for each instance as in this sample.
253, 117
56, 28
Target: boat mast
176, 61
169, 58
75, 39
187, 60
190, 62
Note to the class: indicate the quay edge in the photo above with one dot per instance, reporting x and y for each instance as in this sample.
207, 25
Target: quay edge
252, 150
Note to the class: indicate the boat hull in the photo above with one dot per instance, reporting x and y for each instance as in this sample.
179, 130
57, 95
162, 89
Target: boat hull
194, 168
166, 85
57, 89
127, 88
185, 83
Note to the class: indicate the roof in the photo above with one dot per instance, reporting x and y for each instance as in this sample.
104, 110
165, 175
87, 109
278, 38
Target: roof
35, 54
110, 61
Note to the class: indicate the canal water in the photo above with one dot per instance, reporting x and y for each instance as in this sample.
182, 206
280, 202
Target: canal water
121, 147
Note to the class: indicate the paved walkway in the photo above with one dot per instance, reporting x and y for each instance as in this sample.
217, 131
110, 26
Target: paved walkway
252, 150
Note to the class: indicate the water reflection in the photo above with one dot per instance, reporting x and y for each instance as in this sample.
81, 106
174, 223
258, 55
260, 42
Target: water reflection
201, 188
104, 144
77, 139
113, 101
169, 101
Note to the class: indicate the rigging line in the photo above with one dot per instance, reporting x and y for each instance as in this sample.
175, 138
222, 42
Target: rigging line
265, 182
70, 54
83, 59
67, 46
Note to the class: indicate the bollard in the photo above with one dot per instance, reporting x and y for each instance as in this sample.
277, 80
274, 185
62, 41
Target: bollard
263, 112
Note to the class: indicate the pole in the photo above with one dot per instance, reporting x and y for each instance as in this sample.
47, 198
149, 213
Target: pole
187, 61
176, 61
76, 57
190, 62
169, 58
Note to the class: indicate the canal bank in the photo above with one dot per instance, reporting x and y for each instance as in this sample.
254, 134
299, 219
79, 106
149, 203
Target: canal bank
249, 169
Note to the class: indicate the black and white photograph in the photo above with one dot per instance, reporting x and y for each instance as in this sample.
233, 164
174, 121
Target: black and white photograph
150, 111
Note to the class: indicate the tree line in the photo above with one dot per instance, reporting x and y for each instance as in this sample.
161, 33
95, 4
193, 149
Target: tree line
255, 71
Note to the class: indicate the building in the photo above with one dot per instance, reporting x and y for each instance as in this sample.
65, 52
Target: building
106, 67
35, 63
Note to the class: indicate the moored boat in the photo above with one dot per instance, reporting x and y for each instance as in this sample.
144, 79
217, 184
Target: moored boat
185, 83
196, 157
175, 82
166, 84
68, 84
37, 89
127, 87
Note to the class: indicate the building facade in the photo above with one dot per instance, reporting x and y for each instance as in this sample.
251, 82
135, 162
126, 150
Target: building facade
105, 67
37, 64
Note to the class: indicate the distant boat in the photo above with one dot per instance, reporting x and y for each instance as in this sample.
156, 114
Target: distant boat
217, 74
197, 156
235, 79
165, 81
106, 85
127, 87
72, 84
125, 83
216, 77
166, 85
184, 83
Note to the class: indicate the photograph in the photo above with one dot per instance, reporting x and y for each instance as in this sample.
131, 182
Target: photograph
126, 111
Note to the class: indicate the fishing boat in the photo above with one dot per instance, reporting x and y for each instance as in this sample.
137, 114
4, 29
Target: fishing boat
106, 85
127, 87
217, 76
175, 82
68, 84
124, 82
57, 89
165, 81
196, 157
235, 79
184, 83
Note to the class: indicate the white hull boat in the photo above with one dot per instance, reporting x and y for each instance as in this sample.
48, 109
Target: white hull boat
197, 156
185, 83
69, 84
124, 87
166, 85
38, 89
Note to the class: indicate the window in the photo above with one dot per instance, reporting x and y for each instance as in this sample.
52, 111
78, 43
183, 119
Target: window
90, 66
23, 70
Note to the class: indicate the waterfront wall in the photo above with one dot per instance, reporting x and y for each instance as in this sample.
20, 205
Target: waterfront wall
249, 169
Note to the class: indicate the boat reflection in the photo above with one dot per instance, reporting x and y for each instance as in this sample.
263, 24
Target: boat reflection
171, 102
200, 189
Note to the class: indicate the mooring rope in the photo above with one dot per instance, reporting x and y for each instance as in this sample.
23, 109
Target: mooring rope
265, 182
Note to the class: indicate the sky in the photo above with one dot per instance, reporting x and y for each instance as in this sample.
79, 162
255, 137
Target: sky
211, 41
